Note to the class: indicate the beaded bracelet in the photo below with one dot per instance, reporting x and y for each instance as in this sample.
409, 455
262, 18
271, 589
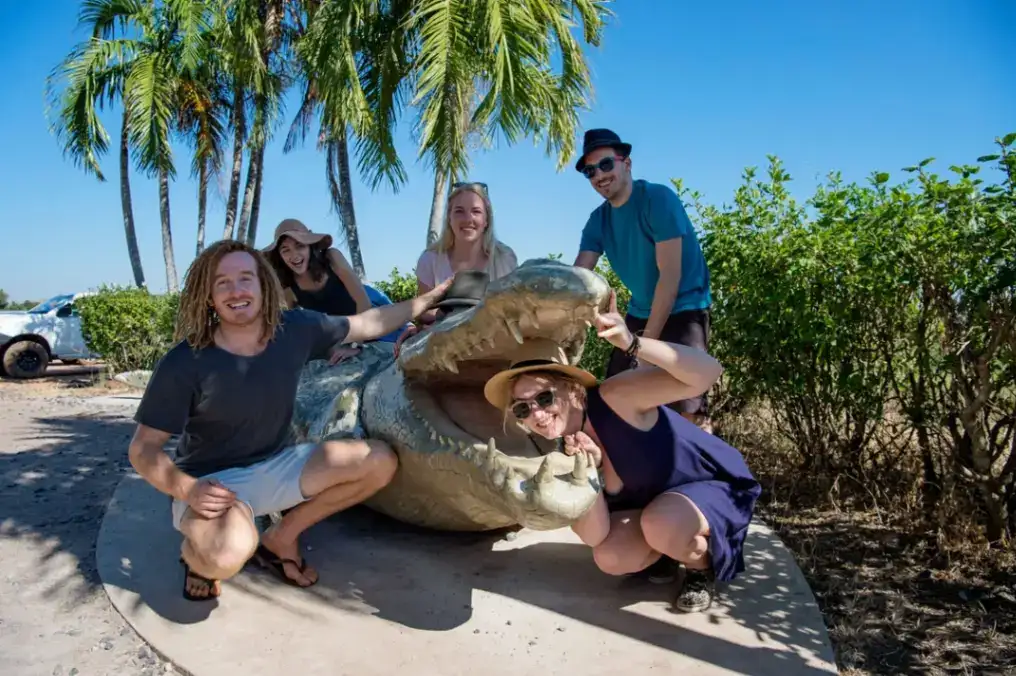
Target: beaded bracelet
632, 351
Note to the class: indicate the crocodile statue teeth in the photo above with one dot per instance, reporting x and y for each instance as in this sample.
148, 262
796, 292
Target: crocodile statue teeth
462, 464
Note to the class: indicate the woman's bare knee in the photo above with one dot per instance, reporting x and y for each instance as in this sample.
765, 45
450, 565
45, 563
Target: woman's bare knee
617, 561
673, 525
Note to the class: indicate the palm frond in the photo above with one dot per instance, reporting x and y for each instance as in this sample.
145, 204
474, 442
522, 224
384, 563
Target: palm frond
150, 98
106, 17
94, 71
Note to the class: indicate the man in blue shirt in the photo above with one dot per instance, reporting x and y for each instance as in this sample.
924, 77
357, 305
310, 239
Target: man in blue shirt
651, 244
644, 231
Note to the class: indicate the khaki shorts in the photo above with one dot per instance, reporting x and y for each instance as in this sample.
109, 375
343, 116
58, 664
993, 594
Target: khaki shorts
271, 485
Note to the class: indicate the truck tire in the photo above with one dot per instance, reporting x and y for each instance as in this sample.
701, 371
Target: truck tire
25, 359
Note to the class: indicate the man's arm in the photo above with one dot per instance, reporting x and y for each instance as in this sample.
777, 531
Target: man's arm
150, 460
668, 224
668, 262
380, 321
587, 260
590, 243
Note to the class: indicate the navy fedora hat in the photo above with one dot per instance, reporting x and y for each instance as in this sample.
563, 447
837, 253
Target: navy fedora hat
601, 138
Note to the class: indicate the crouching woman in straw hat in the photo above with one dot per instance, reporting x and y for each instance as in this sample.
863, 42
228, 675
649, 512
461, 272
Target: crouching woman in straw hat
669, 487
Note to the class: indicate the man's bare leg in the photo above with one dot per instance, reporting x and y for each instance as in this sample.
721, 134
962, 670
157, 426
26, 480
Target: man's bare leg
338, 475
217, 549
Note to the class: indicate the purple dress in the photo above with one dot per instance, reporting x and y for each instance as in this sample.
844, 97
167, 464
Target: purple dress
676, 456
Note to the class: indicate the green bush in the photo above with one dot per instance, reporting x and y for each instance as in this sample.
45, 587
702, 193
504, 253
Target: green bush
398, 287
130, 327
875, 324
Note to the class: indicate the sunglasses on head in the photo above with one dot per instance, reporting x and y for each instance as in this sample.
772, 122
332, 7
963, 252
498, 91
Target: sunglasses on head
466, 184
606, 165
523, 409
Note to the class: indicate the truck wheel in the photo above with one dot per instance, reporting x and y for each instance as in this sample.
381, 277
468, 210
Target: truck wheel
25, 359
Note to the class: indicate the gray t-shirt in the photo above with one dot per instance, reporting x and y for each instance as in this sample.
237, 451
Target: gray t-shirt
231, 410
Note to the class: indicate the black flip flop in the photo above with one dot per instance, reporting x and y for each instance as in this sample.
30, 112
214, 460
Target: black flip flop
274, 563
209, 584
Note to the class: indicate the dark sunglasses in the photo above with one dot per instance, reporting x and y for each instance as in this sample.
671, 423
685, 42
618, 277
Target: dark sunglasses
523, 409
463, 184
605, 165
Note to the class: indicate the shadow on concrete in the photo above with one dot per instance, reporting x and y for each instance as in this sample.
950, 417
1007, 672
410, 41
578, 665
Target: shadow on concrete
370, 565
55, 490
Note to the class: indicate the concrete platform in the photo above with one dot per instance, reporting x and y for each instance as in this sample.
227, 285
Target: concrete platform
394, 599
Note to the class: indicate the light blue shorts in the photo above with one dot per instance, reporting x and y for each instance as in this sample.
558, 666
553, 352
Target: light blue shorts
268, 486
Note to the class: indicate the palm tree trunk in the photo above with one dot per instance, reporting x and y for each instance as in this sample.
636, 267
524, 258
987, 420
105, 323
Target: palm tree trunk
167, 235
239, 128
255, 208
128, 209
342, 197
248, 196
437, 207
202, 201
346, 212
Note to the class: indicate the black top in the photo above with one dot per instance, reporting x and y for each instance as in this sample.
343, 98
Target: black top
332, 299
231, 410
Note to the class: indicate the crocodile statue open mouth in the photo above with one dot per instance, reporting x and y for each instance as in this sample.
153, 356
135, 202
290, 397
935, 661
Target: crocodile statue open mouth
464, 465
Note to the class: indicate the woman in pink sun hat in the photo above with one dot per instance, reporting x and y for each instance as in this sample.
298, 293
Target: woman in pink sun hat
314, 275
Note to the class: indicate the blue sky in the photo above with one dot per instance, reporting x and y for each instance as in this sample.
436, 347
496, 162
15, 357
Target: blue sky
700, 93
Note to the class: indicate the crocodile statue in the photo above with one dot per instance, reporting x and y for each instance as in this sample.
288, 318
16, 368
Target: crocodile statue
463, 465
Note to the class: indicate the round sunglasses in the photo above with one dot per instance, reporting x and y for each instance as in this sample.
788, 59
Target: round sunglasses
606, 165
523, 409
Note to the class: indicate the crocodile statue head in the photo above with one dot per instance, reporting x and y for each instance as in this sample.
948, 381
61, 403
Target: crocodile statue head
464, 465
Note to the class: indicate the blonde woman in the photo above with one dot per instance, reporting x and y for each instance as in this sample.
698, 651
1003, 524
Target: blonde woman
467, 242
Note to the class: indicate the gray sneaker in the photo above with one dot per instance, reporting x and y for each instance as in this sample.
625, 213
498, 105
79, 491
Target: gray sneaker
696, 590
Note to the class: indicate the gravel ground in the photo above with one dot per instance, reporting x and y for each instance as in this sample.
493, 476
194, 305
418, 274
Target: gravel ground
62, 453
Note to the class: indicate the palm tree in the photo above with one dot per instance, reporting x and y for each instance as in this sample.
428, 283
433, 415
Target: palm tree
475, 69
353, 57
484, 68
95, 75
140, 50
203, 103
239, 34
267, 91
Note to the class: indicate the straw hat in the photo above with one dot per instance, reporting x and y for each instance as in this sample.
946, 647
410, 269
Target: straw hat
294, 228
536, 354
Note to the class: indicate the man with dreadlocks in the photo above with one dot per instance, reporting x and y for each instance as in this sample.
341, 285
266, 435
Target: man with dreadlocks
228, 389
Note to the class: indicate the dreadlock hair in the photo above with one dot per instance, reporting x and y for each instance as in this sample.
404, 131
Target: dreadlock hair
196, 319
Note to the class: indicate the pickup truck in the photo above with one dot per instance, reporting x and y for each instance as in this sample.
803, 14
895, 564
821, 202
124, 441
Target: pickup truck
31, 339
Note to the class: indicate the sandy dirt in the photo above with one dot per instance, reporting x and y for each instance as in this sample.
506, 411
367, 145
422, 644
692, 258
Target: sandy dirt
63, 449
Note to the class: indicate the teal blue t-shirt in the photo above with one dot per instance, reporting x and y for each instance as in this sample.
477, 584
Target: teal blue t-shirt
628, 235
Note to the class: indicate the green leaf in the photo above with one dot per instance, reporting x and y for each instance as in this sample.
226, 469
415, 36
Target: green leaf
881, 177
925, 162
987, 158
1009, 139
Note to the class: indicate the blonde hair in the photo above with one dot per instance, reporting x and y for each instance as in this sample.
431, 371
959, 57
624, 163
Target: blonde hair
446, 241
195, 317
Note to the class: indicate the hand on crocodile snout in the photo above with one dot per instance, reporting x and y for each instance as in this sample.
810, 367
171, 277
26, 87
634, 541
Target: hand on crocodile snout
581, 443
410, 331
340, 353
611, 327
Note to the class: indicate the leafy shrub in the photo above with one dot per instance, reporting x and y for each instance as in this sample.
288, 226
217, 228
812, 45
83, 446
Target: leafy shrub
130, 327
875, 324
398, 287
